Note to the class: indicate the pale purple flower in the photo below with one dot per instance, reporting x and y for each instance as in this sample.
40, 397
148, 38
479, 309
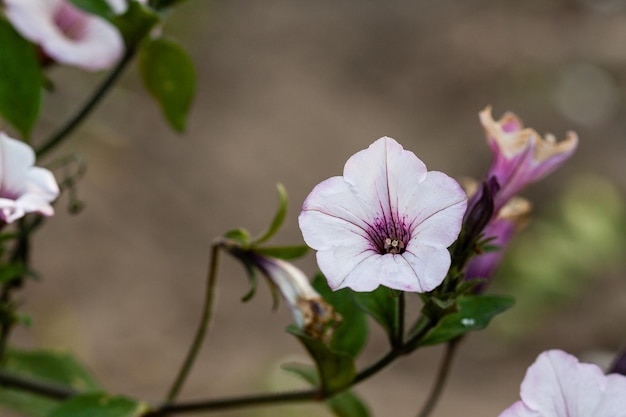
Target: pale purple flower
310, 312
499, 231
387, 221
521, 155
24, 188
67, 34
557, 385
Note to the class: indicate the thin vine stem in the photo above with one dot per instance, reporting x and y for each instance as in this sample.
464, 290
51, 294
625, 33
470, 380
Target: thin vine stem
203, 326
89, 105
442, 377
34, 386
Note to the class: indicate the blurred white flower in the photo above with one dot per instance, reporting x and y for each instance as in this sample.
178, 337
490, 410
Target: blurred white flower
24, 188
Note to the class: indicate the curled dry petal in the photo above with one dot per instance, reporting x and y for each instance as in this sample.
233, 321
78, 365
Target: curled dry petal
387, 221
67, 34
558, 385
24, 188
521, 155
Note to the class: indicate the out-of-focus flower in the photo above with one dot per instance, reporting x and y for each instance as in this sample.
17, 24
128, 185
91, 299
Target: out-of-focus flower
557, 385
387, 221
312, 314
24, 188
67, 34
619, 365
521, 155
499, 231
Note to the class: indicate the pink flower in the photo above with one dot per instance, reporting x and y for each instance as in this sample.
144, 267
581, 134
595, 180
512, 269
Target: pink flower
67, 34
24, 188
557, 385
500, 230
521, 156
386, 221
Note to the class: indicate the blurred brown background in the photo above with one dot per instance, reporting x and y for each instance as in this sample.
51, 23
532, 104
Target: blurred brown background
287, 91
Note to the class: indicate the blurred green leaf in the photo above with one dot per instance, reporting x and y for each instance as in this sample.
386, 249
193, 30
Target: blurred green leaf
283, 252
135, 23
168, 74
20, 80
8, 272
240, 236
97, 7
278, 219
474, 313
336, 370
351, 334
54, 367
346, 404
100, 405
163, 4
382, 305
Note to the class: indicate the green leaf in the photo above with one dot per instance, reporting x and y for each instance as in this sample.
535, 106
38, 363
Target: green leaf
336, 370
168, 74
20, 80
350, 336
346, 404
382, 305
136, 23
100, 405
97, 7
279, 217
240, 236
53, 367
474, 313
283, 252
8, 272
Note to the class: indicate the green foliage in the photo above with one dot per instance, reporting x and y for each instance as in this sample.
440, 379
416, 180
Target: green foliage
47, 366
336, 370
382, 305
345, 404
351, 334
279, 217
474, 313
169, 75
100, 405
164, 4
20, 80
11, 271
98, 7
135, 23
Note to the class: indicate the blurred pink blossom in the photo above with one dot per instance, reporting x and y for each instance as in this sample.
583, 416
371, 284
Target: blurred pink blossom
24, 188
67, 34
521, 155
557, 385
386, 221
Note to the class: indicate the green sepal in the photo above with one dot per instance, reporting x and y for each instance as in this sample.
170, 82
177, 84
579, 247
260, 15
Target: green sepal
20, 80
254, 281
283, 252
382, 305
100, 8
350, 335
170, 77
278, 219
100, 405
474, 313
335, 370
48, 366
240, 236
345, 404
136, 23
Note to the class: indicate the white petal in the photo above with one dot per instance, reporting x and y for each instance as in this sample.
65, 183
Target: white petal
429, 264
519, 409
338, 263
435, 208
16, 158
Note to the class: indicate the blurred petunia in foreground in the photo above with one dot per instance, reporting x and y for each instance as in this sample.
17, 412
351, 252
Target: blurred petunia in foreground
24, 188
387, 221
557, 385
310, 312
67, 34
521, 155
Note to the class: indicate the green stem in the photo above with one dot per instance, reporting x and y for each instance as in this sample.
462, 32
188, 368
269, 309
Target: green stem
442, 377
202, 326
91, 103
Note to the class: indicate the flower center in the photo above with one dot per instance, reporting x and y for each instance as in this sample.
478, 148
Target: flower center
393, 246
